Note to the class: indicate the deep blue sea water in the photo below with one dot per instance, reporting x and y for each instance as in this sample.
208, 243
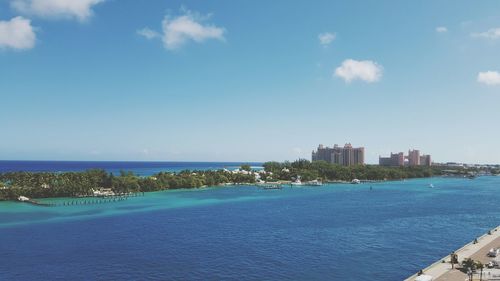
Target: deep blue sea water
138, 167
333, 232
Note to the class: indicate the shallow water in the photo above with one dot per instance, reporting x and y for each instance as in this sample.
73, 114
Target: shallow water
333, 232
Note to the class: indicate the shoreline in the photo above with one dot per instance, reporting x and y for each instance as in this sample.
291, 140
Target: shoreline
442, 270
98, 182
229, 185
259, 185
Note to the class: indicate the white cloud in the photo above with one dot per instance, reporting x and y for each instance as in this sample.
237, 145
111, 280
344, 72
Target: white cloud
493, 33
441, 29
17, 34
366, 70
179, 30
489, 78
79, 9
326, 38
148, 33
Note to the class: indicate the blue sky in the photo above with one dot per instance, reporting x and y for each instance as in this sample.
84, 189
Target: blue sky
248, 80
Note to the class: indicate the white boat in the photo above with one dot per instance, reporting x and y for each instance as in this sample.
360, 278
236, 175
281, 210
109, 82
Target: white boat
431, 185
23, 198
355, 181
315, 183
297, 181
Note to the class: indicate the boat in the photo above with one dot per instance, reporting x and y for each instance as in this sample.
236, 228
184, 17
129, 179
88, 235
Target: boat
314, 183
297, 181
355, 181
431, 185
23, 198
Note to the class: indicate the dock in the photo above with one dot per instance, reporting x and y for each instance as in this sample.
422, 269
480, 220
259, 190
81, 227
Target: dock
37, 203
92, 200
477, 250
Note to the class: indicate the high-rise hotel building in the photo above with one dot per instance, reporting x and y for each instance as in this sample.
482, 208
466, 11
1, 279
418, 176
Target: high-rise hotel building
414, 157
345, 156
398, 159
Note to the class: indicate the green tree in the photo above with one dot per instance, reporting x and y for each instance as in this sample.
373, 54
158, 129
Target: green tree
479, 265
246, 167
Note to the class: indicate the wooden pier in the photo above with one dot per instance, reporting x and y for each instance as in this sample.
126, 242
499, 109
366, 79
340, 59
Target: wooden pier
37, 203
94, 200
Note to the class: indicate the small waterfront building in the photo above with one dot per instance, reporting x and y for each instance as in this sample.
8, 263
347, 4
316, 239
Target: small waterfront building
103, 192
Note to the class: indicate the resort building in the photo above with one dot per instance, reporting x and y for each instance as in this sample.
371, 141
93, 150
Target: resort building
345, 156
425, 160
412, 159
396, 159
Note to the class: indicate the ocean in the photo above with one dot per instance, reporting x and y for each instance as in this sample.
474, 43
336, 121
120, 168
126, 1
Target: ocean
138, 167
332, 232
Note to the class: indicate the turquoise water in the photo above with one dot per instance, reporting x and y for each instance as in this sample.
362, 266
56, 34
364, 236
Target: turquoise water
333, 232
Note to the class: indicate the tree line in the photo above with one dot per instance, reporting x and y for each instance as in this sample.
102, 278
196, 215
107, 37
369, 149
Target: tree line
71, 184
325, 171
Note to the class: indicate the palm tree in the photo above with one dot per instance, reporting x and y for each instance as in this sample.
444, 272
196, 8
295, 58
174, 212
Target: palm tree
469, 265
480, 266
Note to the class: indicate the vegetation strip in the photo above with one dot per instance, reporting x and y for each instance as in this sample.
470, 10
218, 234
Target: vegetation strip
97, 182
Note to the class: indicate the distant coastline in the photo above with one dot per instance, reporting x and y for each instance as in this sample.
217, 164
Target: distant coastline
142, 168
98, 182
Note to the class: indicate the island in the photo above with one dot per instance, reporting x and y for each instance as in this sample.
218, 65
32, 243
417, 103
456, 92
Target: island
95, 182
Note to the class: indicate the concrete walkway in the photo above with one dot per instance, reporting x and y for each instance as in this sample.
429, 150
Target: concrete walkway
443, 272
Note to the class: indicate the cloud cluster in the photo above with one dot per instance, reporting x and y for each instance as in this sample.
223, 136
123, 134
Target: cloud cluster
148, 33
489, 78
79, 9
326, 38
179, 30
441, 29
17, 34
493, 33
366, 70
